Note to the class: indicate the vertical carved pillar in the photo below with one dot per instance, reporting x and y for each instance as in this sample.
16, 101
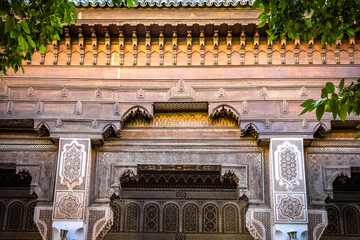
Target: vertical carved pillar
337, 51
296, 50
71, 188
68, 46
135, 47
310, 51
269, 51
94, 45
288, 188
323, 53
122, 46
351, 49
283, 50
189, 47
81, 46
161, 47
174, 45
108, 47
216, 46
242, 47
148, 47
56, 51
229, 46
202, 47
256, 47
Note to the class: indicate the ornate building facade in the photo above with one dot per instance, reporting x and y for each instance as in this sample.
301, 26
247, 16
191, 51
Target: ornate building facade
177, 120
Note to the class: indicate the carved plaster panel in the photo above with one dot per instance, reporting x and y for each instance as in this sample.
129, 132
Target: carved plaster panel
99, 222
72, 164
288, 170
318, 220
69, 205
324, 164
250, 167
43, 220
290, 208
258, 223
40, 164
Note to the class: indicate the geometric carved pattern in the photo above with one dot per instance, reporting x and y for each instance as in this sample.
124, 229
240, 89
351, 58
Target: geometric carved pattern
333, 227
99, 222
30, 224
258, 223
317, 223
15, 213
230, 219
290, 207
117, 216
210, 219
43, 220
151, 218
72, 164
352, 221
288, 171
190, 217
132, 218
171, 218
69, 205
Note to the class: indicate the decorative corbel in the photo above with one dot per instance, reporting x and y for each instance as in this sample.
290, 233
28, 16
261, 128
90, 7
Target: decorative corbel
323, 53
304, 91
283, 50
202, 47
56, 51
148, 47
94, 45
78, 108
174, 45
68, 45
229, 46
189, 47
351, 49
10, 108
296, 50
216, 46
30, 92
284, 106
242, 47
337, 51
221, 92
256, 47
81, 46
39, 109
269, 50
140, 93
161, 47
122, 46
135, 46
64, 92
108, 47
263, 92
245, 106
116, 108
310, 51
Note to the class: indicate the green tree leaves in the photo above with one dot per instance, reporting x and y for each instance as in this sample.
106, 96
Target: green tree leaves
341, 104
307, 19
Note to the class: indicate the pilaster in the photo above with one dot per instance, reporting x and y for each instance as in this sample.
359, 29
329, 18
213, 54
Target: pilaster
288, 197
72, 218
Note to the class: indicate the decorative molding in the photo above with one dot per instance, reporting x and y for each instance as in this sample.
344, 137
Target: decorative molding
182, 91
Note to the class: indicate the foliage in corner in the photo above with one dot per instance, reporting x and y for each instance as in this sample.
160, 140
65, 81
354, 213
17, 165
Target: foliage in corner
27, 26
346, 101
306, 19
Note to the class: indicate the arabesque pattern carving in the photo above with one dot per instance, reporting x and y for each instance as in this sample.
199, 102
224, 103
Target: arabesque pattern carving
72, 164
287, 168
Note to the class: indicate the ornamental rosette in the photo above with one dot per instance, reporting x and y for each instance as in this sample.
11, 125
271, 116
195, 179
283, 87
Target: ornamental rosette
69, 205
290, 207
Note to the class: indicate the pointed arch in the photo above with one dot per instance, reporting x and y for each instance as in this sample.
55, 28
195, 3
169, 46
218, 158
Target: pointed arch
136, 112
225, 110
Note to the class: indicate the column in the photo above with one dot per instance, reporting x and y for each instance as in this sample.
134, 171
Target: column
288, 189
71, 189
